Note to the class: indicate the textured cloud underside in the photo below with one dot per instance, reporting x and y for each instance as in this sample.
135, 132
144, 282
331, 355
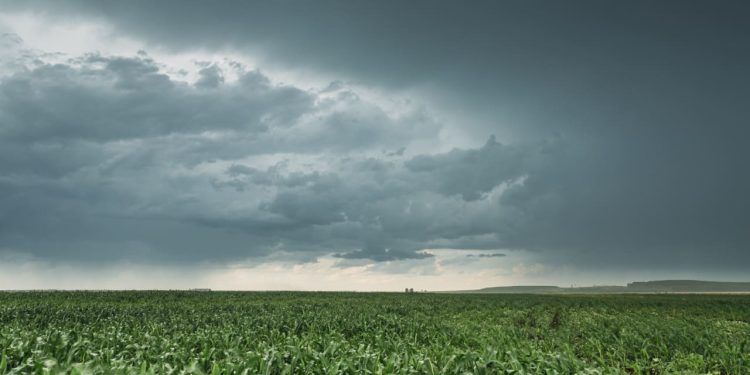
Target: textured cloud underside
625, 149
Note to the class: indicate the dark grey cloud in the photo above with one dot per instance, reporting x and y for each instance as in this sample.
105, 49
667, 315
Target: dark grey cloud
116, 98
620, 134
383, 254
576, 63
210, 77
470, 173
102, 157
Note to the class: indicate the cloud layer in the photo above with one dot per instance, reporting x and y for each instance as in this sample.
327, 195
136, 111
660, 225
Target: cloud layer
621, 150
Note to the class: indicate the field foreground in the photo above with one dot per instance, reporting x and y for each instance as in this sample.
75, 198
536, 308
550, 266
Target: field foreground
379, 333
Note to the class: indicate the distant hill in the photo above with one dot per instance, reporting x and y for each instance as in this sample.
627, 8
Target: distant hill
658, 286
688, 286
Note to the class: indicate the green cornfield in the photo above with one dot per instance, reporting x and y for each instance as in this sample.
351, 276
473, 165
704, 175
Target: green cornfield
179, 332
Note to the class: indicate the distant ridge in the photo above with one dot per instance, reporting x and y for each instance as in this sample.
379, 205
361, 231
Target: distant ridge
657, 286
688, 286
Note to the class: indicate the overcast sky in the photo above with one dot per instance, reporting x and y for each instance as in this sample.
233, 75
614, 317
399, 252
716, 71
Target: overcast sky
351, 145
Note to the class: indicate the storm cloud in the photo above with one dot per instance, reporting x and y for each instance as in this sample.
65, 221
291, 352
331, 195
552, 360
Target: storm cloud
589, 134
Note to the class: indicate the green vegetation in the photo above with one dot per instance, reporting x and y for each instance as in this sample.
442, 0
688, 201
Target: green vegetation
377, 333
